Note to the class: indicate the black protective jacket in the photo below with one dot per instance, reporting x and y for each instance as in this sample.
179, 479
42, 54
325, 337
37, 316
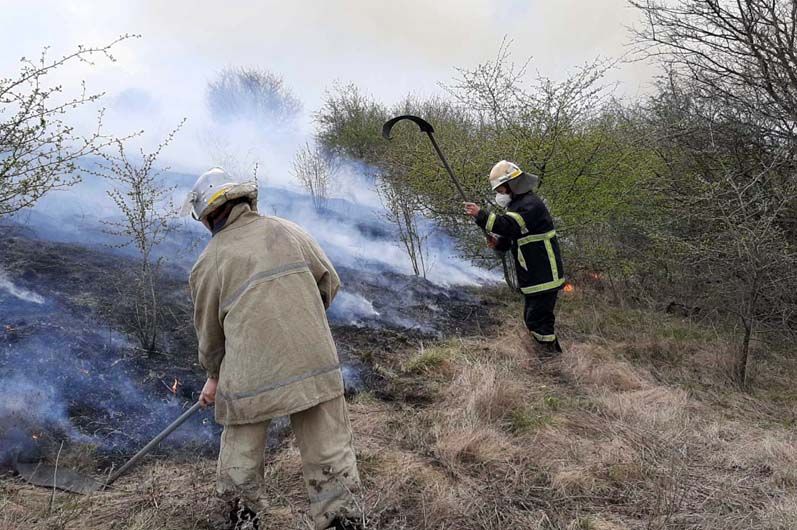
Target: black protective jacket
527, 230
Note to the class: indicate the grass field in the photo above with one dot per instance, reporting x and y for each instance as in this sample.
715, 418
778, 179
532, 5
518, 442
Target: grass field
636, 426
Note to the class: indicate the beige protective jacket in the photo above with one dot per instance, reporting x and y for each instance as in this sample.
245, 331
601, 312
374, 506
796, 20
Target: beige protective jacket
260, 290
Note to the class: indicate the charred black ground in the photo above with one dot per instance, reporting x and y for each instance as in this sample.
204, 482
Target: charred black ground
77, 378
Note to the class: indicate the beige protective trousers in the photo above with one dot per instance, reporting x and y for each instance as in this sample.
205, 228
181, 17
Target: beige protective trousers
324, 436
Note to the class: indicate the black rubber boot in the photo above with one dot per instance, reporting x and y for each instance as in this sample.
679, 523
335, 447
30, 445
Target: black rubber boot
549, 350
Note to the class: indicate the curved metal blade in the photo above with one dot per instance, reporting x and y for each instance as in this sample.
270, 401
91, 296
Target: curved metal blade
424, 125
48, 476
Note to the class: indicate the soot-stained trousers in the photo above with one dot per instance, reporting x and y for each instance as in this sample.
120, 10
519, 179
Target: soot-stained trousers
260, 290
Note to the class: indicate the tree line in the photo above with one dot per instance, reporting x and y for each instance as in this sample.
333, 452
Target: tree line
685, 198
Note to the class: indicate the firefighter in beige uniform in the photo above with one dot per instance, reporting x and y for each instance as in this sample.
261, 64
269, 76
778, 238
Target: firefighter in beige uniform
260, 290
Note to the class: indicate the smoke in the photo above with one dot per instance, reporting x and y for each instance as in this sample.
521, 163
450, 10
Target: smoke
352, 309
67, 374
250, 122
26, 409
18, 292
61, 375
64, 370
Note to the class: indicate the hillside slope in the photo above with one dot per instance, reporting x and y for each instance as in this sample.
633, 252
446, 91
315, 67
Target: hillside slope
634, 427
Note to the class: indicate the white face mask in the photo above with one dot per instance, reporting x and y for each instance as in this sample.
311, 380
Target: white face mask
503, 199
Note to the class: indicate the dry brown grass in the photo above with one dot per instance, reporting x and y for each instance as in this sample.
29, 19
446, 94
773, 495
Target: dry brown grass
597, 367
159, 495
635, 427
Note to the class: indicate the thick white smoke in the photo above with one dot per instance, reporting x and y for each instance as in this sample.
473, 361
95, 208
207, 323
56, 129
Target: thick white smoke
75, 371
353, 309
23, 294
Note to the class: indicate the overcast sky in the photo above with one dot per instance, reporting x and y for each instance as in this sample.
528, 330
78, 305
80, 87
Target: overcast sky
388, 48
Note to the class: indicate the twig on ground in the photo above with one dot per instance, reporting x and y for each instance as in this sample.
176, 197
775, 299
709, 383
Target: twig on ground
55, 476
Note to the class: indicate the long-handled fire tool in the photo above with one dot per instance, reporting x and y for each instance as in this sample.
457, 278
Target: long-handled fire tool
50, 476
426, 127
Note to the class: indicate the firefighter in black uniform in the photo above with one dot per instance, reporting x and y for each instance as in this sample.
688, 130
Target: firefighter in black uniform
527, 230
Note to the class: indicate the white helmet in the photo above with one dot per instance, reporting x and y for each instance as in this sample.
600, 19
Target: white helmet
214, 188
519, 181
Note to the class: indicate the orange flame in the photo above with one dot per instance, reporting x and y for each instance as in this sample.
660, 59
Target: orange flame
175, 385
35, 436
569, 288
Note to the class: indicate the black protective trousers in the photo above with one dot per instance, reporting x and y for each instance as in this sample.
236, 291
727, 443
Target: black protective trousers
539, 316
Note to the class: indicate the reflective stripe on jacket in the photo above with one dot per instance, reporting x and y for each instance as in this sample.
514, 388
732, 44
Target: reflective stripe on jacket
260, 289
527, 230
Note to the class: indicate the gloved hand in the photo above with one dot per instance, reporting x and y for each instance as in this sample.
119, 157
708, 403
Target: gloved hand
472, 209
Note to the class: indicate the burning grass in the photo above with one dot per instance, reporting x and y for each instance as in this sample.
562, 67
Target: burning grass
473, 433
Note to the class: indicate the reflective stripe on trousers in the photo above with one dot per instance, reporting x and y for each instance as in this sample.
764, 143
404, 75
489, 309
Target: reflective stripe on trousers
539, 316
